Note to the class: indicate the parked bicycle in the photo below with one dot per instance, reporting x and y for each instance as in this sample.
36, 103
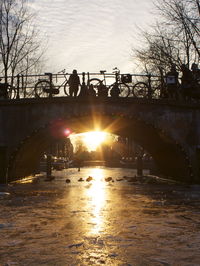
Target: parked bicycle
140, 90
12, 92
124, 89
7, 91
46, 87
137, 90
153, 88
144, 89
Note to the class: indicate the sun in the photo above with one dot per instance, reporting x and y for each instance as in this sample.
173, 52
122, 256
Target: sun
93, 139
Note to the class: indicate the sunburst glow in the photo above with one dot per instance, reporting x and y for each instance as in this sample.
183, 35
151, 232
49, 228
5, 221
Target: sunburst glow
93, 139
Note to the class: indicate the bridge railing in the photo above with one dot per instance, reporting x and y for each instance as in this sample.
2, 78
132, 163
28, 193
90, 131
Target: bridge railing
56, 85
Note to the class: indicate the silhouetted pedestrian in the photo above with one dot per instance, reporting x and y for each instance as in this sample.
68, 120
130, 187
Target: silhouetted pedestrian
172, 83
102, 91
74, 82
115, 91
186, 82
84, 91
196, 74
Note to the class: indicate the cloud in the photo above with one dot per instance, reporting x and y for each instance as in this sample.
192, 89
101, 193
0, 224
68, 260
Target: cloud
89, 33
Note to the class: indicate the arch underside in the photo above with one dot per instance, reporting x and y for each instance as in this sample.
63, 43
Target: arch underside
167, 154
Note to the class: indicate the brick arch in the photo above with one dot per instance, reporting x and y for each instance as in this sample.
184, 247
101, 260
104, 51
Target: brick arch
169, 155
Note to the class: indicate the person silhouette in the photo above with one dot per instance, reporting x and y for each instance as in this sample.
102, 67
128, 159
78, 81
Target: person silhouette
186, 82
74, 82
91, 91
195, 73
172, 83
102, 91
115, 91
84, 92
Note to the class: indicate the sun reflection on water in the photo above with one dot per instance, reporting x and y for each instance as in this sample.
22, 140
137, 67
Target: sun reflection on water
97, 195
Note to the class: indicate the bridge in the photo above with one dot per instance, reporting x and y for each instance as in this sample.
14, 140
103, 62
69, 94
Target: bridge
168, 130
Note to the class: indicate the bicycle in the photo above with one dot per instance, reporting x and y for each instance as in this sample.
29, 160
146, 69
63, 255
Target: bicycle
12, 92
8, 91
145, 90
124, 89
45, 87
140, 90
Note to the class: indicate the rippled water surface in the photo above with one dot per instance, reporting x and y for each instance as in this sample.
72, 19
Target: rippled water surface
115, 219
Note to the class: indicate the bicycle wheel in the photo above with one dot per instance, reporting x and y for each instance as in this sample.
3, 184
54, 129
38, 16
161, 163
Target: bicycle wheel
124, 89
42, 89
140, 90
96, 84
29, 93
156, 92
66, 89
12, 92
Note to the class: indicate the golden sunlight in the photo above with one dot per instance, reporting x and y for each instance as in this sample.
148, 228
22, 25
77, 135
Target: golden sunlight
97, 194
93, 139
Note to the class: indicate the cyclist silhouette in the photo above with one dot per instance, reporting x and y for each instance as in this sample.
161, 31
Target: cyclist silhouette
115, 91
74, 82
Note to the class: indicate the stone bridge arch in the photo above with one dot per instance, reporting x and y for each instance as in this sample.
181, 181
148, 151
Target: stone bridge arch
171, 158
169, 131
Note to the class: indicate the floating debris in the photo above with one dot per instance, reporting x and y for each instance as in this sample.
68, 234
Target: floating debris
119, 179
81, 179
127, 178
75, 245
108, 179
90, 178
67, 180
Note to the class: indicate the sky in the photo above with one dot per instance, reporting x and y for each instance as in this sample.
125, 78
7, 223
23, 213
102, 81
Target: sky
91, 35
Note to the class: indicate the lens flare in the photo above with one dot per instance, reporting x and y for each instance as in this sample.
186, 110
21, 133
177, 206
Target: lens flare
94, 138
67, 132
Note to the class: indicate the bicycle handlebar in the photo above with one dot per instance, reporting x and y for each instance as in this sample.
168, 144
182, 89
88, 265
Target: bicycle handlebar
102, 71
62, 71
48, 73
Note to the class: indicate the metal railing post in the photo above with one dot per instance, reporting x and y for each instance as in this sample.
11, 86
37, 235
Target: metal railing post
83, 77
18, 82
149, 87
51, 87
23, 89
88, 78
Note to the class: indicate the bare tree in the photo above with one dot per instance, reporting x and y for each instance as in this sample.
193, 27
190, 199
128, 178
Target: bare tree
183, 20
19, 43
175, 39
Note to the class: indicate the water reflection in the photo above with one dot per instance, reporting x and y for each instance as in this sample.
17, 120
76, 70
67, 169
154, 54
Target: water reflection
28, 180
97, 195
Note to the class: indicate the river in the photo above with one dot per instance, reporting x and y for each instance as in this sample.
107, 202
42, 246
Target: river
119, 221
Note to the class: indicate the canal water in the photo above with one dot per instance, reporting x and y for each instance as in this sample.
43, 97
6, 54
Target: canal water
113, 219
